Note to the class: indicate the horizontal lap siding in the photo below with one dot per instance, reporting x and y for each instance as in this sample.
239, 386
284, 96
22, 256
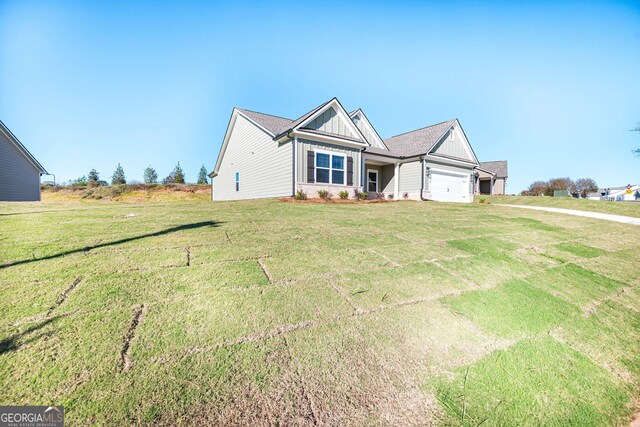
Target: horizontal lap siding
388, 178
410, 176
19, 179
498, 186
265, 166
305, 145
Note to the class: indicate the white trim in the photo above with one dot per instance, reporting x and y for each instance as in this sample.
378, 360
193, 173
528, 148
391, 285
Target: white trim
373, 130
22, 149
330, 168
335, 104
446, 159
227, 135
254, 122
396, 181
329, 139
377, 180
467, 145
463, 175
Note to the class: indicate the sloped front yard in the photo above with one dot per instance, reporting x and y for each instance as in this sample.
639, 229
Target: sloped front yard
266, 312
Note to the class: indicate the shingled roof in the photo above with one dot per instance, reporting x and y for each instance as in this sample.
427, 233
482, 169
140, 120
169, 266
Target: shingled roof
499, 167
273, 124
418, 141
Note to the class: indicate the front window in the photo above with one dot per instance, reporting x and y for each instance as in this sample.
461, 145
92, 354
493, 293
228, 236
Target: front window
237, 181
330, 168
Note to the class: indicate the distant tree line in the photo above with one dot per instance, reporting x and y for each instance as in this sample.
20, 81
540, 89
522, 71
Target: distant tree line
580, 187
149, 176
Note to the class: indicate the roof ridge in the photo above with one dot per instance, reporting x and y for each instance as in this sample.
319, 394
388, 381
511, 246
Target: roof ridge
424, 127
264, 114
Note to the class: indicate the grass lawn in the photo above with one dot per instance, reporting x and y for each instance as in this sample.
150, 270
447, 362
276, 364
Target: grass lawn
615, 208
265, 312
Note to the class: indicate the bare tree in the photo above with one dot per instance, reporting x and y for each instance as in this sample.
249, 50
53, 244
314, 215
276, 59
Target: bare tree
584, 186
560, 184
537, 188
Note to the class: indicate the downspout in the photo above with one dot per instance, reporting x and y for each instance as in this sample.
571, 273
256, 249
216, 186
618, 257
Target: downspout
362, 172
422, 180
294, 141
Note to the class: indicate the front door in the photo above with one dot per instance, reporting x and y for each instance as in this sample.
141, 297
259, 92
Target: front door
372, 181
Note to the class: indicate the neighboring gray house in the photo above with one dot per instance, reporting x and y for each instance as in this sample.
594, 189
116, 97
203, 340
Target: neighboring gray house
19, 171
491, 177
328, 148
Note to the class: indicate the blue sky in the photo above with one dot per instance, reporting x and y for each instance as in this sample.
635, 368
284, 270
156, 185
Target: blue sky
552, 87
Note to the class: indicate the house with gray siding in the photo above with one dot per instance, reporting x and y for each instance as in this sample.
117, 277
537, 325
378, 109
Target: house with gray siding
491, 177
19, 171
331, 149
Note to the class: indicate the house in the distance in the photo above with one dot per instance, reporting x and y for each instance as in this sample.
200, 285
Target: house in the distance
331, 149
627, 193
491, 177
19, 171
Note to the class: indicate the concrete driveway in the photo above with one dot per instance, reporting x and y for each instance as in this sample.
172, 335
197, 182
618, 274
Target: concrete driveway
596, 215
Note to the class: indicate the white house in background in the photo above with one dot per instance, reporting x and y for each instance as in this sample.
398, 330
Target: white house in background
19, 171
331, 149
616, 194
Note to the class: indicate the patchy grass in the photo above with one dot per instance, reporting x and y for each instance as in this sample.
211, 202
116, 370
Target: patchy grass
264, 312
536, 382
513, 309
580, 249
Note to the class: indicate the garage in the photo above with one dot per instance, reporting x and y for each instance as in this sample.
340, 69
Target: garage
449, 187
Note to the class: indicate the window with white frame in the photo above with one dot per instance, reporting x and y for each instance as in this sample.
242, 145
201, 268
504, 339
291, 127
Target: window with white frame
330, 168
237, 181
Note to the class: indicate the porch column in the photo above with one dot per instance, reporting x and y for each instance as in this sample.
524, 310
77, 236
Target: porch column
396, 182
492, 181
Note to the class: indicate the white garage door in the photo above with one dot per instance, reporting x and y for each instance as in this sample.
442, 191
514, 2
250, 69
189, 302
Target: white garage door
449, 187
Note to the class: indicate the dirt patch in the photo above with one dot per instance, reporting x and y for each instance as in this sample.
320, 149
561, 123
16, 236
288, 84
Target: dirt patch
138, 316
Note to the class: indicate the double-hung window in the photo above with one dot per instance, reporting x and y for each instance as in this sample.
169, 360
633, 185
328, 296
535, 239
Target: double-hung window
237, 181
330, 168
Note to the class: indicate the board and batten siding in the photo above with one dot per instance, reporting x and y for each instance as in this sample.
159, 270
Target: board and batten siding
265, 167
19, 178
368, 133
330, 122
306, 145
453, 145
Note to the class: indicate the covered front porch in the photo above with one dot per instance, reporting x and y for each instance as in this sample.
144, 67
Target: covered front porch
380, 177
484, 181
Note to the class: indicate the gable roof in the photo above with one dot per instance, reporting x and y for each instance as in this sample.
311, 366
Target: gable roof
22, 149
361, 113
499, 167
419, 141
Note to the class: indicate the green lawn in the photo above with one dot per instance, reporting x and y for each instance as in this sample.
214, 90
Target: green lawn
615, 208
265, 312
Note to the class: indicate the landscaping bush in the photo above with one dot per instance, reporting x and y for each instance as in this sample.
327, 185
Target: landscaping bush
324, 194
300, 195
362, 196
405, 195
390, 196
344, 194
